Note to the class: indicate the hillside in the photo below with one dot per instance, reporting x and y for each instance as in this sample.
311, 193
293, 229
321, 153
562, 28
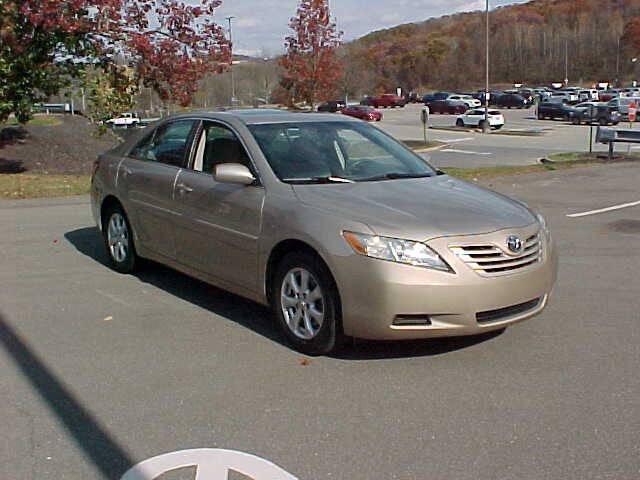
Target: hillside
528, 43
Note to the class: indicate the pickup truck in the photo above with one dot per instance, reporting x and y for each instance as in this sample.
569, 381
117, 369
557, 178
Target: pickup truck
593, 112
388, 100
124, 120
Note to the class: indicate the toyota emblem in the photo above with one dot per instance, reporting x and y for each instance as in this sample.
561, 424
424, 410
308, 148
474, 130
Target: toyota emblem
515, 244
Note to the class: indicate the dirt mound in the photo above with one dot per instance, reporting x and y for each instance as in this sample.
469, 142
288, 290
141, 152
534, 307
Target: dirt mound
69, 147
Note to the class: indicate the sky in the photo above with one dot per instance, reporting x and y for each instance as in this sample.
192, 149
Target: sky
261, 25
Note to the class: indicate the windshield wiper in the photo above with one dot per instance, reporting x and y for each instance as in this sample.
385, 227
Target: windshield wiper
312, 180
396, 176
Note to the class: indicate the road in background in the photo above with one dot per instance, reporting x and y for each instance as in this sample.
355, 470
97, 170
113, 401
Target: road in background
100, 370
473, 149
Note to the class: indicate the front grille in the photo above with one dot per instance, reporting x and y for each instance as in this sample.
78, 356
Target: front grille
502, 313
491, 260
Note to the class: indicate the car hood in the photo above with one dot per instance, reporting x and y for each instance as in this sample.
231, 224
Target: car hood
418, 209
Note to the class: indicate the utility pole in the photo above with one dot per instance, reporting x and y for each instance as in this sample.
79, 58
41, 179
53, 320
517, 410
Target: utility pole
566, 62
485, 125
233, 82
617, 64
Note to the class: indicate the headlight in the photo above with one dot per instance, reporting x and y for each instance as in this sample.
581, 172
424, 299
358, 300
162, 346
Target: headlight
543, 226
396, 250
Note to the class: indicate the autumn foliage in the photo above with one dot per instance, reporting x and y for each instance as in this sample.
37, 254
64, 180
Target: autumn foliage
527, 44
311, 66
169, 45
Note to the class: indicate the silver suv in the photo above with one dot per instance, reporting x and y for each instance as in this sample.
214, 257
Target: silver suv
336, 225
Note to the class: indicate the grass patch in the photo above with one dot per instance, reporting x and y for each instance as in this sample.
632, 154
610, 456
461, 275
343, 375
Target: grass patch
419, 144
38, 186
491, 172
37, 121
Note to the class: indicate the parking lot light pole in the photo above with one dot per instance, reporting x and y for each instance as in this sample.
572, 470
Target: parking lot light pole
485, 125
233, 82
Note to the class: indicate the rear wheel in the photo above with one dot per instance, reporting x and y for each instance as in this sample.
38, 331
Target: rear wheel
118, 240
459, 123
307, 305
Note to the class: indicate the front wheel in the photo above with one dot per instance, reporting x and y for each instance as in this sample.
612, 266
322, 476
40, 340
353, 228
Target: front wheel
118, 240
459, 123
307, 305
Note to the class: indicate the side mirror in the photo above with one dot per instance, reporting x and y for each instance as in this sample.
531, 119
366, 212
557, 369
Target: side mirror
233, 173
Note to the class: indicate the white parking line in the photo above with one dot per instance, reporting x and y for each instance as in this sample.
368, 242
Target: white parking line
466, 152
604, 210
456, 140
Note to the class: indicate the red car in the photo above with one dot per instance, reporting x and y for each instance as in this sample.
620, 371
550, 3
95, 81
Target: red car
363, 113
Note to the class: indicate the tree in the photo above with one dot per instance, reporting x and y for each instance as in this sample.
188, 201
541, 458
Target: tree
312, 69
168, 44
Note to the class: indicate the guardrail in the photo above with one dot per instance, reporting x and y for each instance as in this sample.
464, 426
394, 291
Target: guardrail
610, 136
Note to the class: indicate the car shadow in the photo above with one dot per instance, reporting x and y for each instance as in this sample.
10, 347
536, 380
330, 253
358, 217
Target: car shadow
254, 316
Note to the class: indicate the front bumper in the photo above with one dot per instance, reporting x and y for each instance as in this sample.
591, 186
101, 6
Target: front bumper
375, 294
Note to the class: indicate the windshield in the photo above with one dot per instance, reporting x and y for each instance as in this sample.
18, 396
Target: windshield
328, 152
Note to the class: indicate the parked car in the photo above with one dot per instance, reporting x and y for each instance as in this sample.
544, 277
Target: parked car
588, 95
126, 120
476, 118
594, 112
609, 95
366, 101
453, 107
528, 94
554, 108
363, 112
542, 93
388, 100
332, 106
432, 97
621, 104
566, 96
341, 229
630, 92
512, 100
467, 99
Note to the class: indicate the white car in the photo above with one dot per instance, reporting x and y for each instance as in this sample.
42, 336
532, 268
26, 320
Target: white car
467, 99
124, 120
475, 118
588, 95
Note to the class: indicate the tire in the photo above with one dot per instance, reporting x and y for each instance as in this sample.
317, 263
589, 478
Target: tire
318, 328
540, 116
603, 122
459, 123
118, 240
575, 121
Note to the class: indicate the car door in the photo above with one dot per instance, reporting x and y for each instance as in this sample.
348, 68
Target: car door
474, 117
146, 179
219, 223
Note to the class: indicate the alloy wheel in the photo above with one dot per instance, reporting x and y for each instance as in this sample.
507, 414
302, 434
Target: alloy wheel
302, 303
118, 237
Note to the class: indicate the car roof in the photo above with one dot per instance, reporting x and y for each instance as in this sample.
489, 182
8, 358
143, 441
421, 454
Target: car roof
255, 116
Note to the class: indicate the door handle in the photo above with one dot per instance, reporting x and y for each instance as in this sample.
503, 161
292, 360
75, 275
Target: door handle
184, 188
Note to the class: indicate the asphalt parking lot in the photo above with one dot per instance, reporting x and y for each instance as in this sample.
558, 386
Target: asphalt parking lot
99, 371
472, 149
